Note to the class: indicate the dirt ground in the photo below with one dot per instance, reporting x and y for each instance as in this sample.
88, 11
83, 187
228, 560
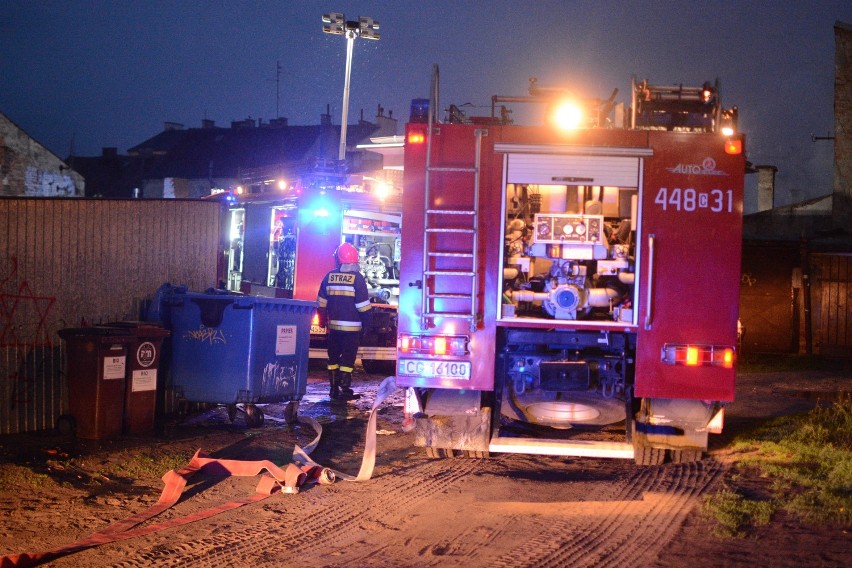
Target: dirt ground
504, 511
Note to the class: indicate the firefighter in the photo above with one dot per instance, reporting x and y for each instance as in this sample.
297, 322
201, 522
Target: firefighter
344, 306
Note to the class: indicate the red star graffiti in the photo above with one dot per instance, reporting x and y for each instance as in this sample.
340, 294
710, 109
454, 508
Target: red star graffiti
23, 315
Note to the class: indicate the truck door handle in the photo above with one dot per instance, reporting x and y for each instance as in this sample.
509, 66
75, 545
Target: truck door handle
417, 283
649, 306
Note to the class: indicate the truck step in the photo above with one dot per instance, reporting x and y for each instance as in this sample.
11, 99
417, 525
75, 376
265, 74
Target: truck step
455, 315
450, 212
449, 273
461, 170
443, 230
452, 254
450, 296
547, 447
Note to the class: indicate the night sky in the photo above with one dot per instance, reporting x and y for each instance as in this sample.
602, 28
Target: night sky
108, 73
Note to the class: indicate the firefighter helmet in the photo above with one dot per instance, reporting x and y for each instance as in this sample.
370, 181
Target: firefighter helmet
346, 254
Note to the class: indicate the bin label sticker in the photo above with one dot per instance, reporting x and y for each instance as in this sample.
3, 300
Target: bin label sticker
285, 343
114, 367
144, 380
146, 354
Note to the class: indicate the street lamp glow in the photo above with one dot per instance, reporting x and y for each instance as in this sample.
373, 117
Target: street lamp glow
335, 23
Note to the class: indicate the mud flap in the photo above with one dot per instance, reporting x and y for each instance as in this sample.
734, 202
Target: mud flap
453, 419
672, 424
455, 431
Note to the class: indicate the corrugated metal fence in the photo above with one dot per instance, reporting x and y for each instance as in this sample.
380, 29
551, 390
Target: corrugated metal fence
69, 262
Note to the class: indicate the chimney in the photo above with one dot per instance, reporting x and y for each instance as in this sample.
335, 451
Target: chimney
325, 119
841, 202
386, 123
207, 123
246, 123
765, 187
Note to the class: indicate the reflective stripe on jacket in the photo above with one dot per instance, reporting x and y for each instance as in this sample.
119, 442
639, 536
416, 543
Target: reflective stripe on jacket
343, 295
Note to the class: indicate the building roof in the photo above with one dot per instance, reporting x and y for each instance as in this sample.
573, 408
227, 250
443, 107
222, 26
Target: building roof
217, 152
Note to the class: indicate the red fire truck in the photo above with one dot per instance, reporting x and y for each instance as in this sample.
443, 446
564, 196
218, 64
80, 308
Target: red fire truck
572, 290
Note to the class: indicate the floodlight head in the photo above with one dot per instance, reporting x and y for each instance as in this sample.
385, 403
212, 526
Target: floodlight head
333, 23
367, 23
367, 28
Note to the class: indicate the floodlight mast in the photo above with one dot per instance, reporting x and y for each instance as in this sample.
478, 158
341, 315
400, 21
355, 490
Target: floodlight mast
335, 23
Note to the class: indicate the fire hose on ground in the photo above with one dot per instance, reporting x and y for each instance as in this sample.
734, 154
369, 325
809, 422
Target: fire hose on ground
301, 472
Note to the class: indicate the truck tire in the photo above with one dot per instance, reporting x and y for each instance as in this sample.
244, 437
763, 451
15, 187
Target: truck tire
477, 454
449, 453
439, 453
648, 456
685, 456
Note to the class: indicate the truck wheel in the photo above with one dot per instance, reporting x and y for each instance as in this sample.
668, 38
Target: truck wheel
648, 456
476, 454
439, 453
685, 456
66, 425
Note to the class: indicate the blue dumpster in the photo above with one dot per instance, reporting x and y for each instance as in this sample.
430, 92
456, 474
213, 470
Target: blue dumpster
235, 349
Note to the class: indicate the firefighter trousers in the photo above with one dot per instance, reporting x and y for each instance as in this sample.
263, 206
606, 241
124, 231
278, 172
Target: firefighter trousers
342, 350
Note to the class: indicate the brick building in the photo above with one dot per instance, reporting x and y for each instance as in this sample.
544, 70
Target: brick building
29, 169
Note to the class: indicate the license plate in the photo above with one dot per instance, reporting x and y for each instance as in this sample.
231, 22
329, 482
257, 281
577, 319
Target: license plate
433, 369
317, 330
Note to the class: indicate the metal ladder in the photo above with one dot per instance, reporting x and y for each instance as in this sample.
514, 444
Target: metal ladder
435, 221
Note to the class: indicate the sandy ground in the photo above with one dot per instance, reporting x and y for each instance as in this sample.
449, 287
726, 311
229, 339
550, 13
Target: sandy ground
507, 510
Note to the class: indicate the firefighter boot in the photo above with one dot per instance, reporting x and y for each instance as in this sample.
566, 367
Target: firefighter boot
346, 392
334, 385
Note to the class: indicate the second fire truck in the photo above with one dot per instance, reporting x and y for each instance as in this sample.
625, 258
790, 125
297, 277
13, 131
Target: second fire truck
572, 290
282, 240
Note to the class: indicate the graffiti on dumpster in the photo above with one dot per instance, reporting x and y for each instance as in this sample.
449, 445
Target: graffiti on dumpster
204, 334
278, 378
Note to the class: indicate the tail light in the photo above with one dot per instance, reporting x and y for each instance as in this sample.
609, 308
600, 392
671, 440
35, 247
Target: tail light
733, 146
433, 345
698, 355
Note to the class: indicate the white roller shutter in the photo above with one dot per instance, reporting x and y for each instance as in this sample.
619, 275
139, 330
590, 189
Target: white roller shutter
548, 169
579, 165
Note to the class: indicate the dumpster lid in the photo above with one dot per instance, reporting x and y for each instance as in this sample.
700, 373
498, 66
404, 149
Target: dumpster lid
139, 328
94, 331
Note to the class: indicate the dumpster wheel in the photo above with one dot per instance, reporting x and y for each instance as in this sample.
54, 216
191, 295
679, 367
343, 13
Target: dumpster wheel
291, 412
254, 416
66, 425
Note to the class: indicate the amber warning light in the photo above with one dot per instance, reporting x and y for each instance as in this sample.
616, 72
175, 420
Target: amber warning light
416, 137
698, 355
